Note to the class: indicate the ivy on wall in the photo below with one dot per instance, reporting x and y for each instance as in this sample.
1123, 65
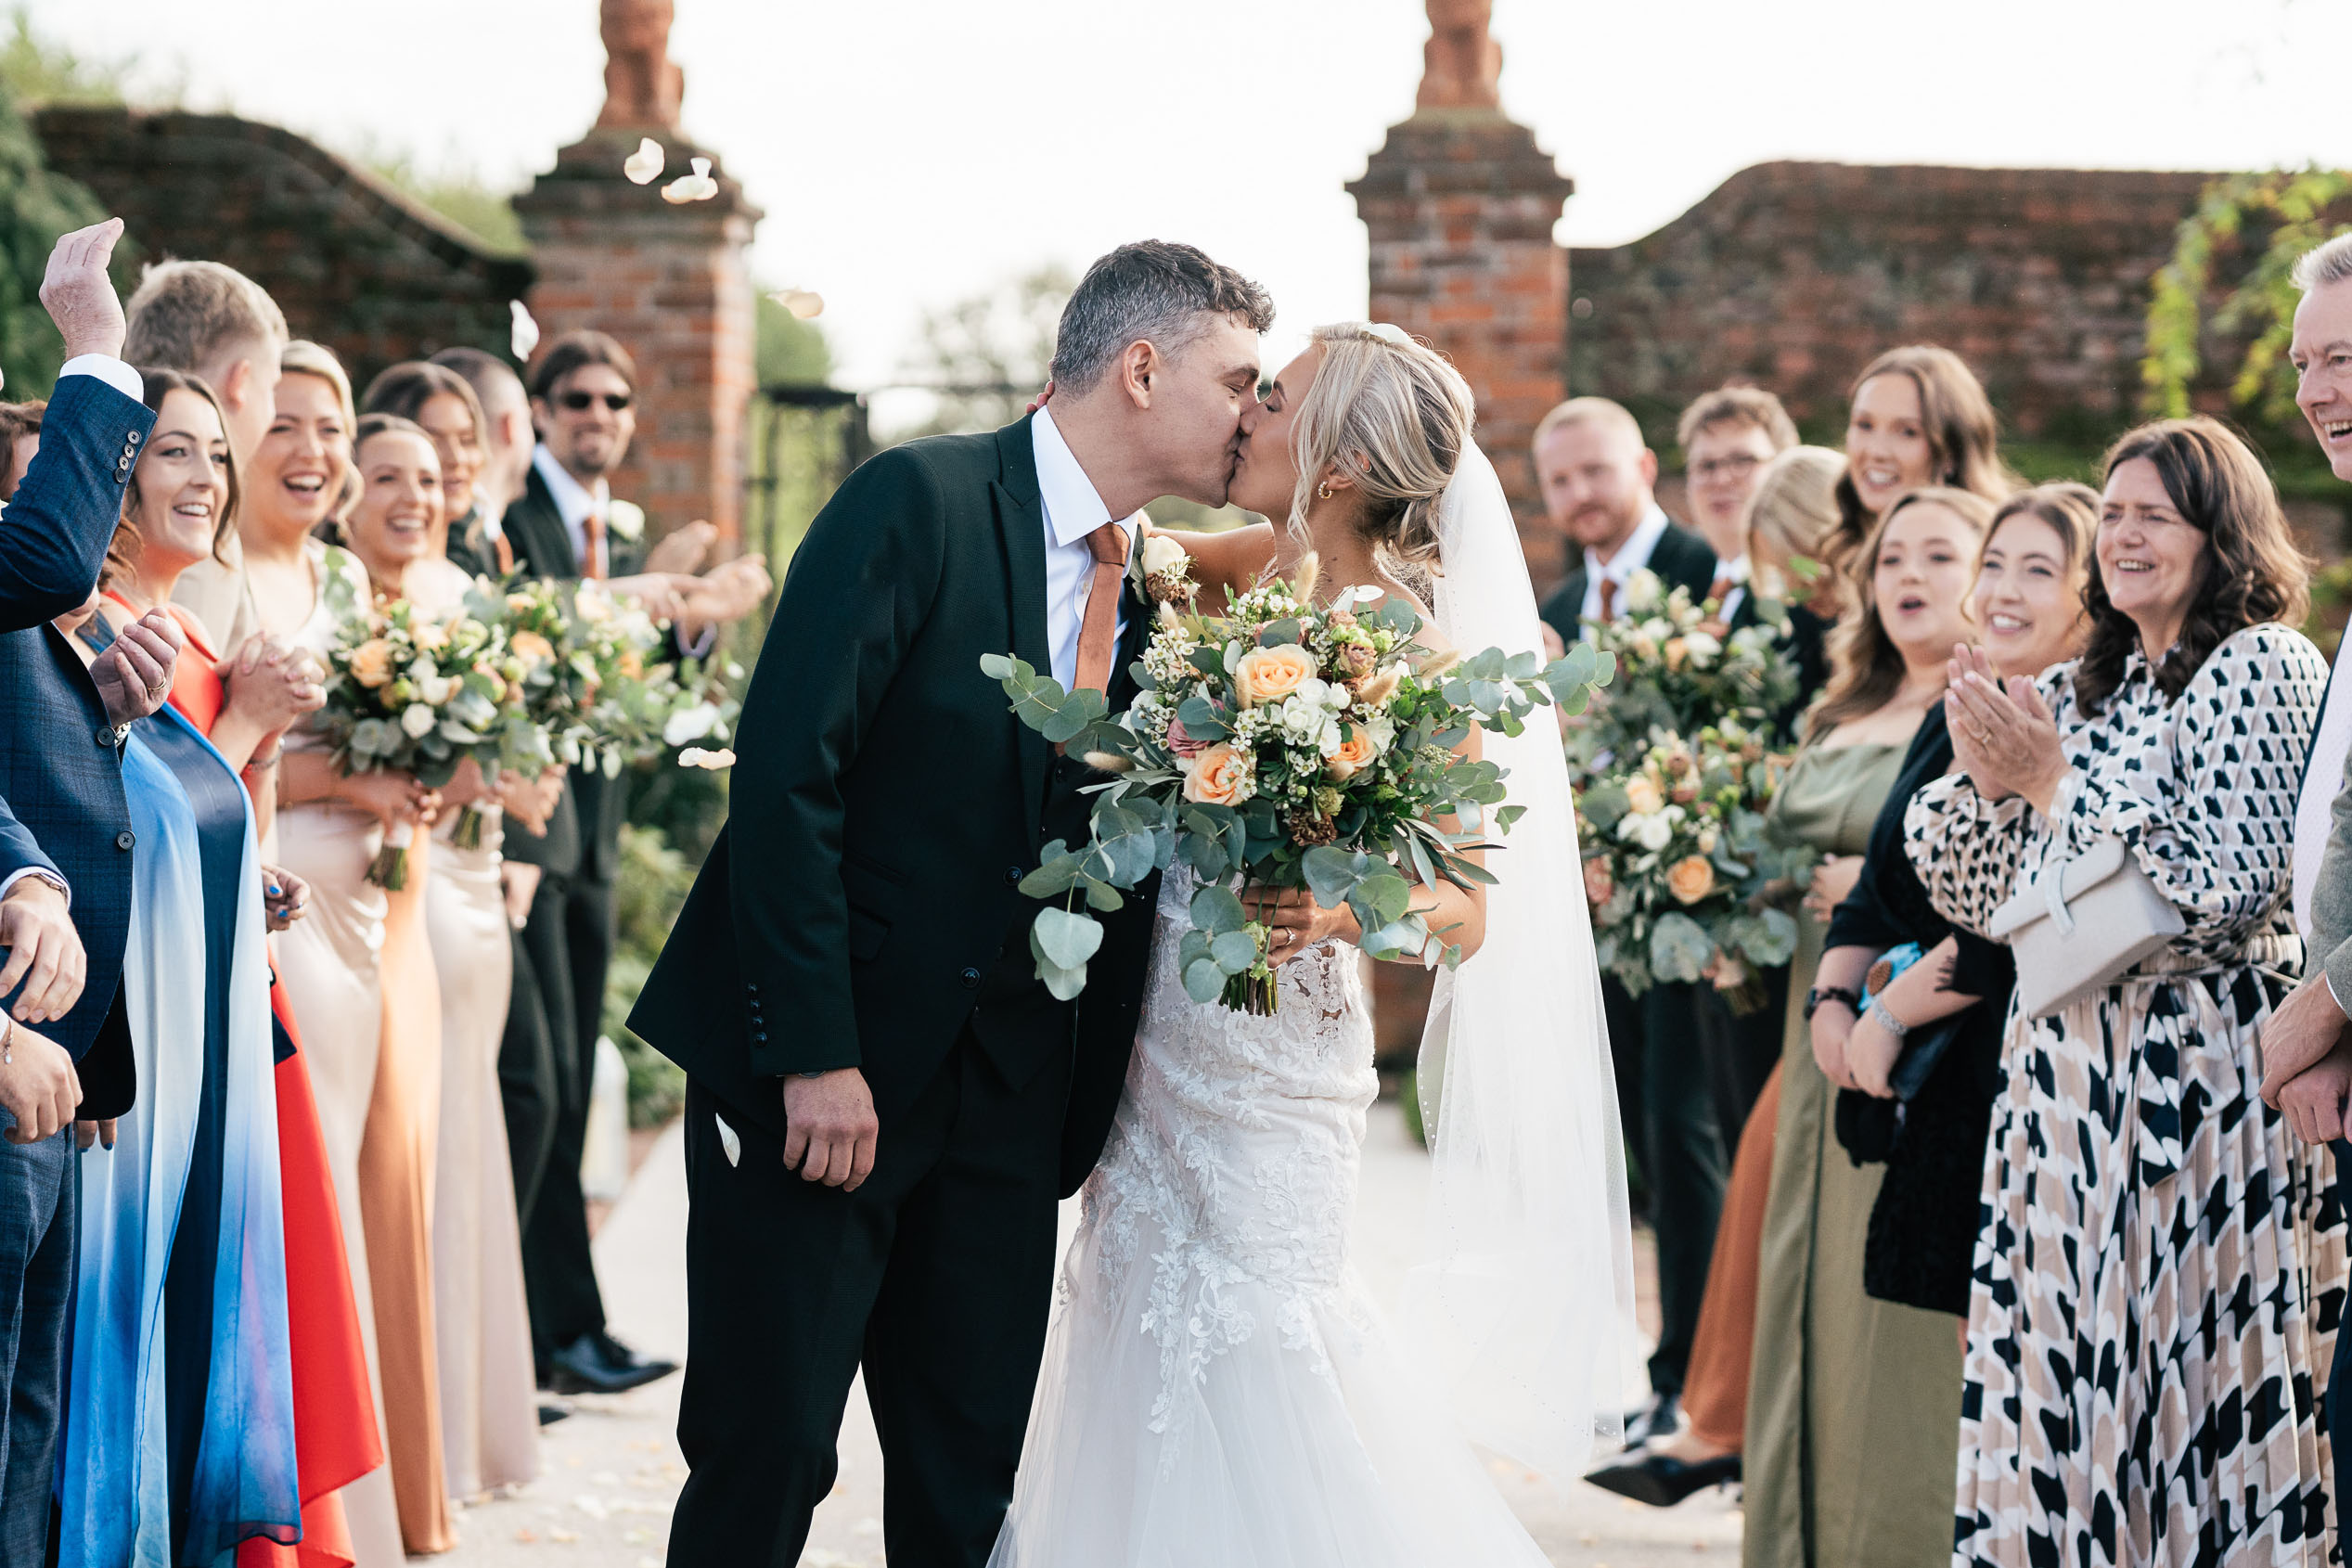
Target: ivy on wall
2285, 212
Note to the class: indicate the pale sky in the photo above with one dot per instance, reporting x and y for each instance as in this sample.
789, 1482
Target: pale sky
910, 152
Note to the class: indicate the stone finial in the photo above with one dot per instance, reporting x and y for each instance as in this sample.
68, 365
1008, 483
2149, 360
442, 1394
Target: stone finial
1461, 66
642, 87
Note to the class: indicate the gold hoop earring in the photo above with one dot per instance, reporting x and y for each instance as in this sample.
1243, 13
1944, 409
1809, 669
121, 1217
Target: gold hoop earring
1323, 491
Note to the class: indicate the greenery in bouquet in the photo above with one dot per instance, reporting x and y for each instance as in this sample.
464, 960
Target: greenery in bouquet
1287, 745
1684, 881
1680, 667
410, 694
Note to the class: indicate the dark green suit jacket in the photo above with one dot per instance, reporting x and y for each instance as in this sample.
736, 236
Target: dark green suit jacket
884, 803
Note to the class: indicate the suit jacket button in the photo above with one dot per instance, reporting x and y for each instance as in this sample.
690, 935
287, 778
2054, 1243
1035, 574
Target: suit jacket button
760, 1037
135, 438
106, 736
125, 838
971, 979
1013, 875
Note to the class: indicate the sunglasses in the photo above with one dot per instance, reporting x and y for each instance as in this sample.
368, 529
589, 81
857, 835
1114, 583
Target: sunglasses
580, 401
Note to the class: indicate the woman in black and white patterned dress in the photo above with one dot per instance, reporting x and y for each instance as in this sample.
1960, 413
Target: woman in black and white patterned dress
2159, 1257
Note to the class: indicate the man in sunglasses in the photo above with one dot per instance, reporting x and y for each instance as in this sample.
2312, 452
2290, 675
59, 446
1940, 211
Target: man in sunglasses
567, 524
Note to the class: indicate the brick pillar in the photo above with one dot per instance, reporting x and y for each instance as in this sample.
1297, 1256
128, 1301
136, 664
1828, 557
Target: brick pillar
673, 283
1460, 204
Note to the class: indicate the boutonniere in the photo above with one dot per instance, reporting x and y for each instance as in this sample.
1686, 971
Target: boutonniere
627, 521
1162, 569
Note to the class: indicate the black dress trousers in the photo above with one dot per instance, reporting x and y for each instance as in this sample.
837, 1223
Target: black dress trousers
936, 1276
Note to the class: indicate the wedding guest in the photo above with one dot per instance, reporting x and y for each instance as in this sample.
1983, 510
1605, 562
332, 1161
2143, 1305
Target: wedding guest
1597, 477
2146, 1304
334, 1413
528, 1086
1852, 1403
443, 404
360, 977
1728, 436
65, 869
567, 524
2306, 1062
1919, 416
19, 439
179, 1437
1789, 521
211, 321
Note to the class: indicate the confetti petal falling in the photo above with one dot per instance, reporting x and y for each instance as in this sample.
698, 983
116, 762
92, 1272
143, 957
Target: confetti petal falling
696, 756
697, 186
644, 166
525, 334
806, 303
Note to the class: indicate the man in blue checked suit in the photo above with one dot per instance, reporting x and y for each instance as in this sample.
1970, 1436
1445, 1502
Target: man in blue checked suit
65, 851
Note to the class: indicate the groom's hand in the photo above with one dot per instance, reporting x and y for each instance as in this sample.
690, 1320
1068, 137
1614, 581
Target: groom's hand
830, 1130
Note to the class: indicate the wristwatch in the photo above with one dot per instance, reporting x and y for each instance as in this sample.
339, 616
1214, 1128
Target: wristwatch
1820, 994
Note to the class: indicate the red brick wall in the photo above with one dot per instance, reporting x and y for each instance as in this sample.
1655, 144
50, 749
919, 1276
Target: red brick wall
1792, 275
353, 262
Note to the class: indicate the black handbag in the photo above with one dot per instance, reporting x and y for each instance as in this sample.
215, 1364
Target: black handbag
1871, 1128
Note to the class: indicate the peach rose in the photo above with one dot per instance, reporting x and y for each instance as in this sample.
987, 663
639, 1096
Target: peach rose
1355, 753
1600, 886
1219, 776
533, 646
1690, 878
1269, 674
371, 663
1643, 796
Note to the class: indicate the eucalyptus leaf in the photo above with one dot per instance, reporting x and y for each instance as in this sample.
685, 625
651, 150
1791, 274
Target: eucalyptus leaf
1217, 911
1332, 873
1064, 983
1234, 951
1066, 939
1679, 948
1002, 667
1203, 982
1104, 896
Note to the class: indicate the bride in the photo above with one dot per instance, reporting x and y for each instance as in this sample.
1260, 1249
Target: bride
1217, 1388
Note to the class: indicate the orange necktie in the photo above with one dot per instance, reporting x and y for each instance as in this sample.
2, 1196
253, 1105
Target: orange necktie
1721, 590
591, 530
1607, 599
1098, 633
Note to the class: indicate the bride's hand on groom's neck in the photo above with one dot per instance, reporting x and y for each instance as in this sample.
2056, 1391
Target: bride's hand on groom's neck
830, 1128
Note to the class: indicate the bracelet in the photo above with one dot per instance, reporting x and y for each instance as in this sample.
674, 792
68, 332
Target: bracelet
255, 764
1820, 994
1886, 1019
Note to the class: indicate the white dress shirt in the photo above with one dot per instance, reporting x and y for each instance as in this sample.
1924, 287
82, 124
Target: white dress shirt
1073, 509
1737, 571
1631, 557
2322, 778
131, 384
574, 502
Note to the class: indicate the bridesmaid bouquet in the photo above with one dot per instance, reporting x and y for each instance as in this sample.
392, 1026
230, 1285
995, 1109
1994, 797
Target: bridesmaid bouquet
1680, 668
409, 694
1685, 882
1284, 744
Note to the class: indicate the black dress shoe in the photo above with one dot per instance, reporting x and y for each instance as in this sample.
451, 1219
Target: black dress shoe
599, 1364
551, 1414
1661, 1417
1662, 1481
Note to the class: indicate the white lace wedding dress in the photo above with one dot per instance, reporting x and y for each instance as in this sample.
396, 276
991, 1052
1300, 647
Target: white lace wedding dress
1218, 1391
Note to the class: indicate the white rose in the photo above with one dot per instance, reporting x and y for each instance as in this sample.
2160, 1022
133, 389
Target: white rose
1160, 555
1643, 590
418, 720
1701, 648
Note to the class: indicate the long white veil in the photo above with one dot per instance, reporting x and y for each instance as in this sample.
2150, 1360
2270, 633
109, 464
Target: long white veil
1526, 1301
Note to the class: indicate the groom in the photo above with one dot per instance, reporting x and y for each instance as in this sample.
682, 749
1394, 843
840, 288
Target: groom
885, 1106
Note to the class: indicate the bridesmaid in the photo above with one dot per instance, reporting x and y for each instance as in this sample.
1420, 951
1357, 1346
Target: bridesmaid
179, 1440
361, 984
298, 472
489, 1410
1853, 1404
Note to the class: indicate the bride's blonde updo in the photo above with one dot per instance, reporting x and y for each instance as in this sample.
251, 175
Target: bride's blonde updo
1391, 408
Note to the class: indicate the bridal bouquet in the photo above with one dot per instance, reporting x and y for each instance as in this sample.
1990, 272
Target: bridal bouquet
1287, 745
410, 694
1684, 880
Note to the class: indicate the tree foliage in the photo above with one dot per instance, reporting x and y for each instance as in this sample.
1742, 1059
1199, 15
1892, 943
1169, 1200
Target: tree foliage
987, 355
2276, 215
36, 205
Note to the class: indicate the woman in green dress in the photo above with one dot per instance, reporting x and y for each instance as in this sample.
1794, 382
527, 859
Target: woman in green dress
1853, 1404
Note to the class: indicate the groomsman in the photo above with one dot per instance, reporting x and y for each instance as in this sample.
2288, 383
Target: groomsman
65, 852
1598, 477
567, 524
2305, 1053
205, 319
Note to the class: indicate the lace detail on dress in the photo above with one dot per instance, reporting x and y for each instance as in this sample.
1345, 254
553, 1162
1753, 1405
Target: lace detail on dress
1232, 1166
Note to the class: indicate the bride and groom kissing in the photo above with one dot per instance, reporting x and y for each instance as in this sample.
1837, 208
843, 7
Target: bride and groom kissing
886, 1105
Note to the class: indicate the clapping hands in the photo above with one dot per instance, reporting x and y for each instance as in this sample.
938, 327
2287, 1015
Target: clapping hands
133, 675
2004, 737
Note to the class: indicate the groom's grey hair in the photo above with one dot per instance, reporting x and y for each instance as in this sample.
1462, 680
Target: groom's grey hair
1154, 290
2331, 262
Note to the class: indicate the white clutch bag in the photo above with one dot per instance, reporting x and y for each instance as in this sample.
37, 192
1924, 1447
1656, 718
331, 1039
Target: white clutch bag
2082, 924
